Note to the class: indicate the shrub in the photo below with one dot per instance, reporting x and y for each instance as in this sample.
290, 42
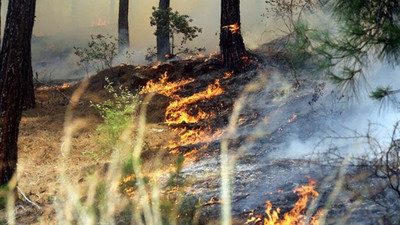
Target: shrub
117, 115
99, 54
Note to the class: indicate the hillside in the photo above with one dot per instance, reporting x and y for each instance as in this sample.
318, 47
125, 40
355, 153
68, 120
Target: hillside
270, 111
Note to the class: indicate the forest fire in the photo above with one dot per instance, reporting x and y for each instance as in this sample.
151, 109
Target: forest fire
296, 216
163, 87
183, 110
177, 111
191, 137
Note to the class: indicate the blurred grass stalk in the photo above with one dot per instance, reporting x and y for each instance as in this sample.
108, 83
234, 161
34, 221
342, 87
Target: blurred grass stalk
70, 208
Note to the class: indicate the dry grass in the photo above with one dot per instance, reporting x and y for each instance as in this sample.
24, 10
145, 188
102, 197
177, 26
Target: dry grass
40, 150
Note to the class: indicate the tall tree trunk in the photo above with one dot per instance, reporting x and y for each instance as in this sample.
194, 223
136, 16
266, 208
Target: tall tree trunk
163, 44
230, 40
123, 26
29, 99
15, 80
0, 25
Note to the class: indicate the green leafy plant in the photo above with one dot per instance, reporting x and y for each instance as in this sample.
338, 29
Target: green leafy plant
178, 25
117, 115
177, 207
99, 54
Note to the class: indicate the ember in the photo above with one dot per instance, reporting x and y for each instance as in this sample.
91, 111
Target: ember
234, 28
157, 65
227, 75
295, 216
292, 119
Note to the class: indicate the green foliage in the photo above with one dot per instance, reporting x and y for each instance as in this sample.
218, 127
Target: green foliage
341, 61
117, 115
371, 25
369, 29
180, 210
4, 189
99, 54
176, 179
298, 46
173, 23
381, 92
178, 207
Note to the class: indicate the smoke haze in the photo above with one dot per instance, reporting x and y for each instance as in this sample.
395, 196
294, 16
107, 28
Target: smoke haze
62, 24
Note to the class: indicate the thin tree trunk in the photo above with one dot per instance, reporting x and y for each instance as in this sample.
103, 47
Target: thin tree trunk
231, 42
0, 24
15, 80
123, 26
163, 44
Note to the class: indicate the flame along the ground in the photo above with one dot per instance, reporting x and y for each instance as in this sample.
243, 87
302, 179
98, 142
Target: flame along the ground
63, 86
297, 215
178, 111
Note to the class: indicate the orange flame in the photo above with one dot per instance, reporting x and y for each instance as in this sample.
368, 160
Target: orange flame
296, 216
191, 137
234, 28
177, 111
157, 65
228, 75
163, 87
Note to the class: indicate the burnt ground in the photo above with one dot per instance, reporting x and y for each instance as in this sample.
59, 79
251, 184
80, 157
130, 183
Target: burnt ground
276, 112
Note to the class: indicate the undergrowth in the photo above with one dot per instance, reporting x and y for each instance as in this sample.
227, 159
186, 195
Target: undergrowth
124, 194
117, 114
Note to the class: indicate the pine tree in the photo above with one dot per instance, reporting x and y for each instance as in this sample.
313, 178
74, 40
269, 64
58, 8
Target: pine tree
15, 80
370, 28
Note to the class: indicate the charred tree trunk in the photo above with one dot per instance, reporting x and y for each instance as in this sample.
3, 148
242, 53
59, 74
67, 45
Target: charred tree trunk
15, 80
230, 40
0, 25
29, 99
123, 26
163, 45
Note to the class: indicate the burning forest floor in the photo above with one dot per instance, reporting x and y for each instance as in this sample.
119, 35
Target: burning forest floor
189, 115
